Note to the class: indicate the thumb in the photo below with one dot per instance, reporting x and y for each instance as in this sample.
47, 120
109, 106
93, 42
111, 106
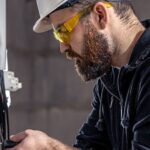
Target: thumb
18, 137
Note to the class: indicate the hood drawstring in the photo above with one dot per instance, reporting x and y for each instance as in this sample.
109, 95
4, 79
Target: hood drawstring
100, 123
112, 101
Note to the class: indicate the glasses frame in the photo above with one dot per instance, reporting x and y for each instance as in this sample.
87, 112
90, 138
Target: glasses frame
63, 32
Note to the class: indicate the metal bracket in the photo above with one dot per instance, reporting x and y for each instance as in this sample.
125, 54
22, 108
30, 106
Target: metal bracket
11, 82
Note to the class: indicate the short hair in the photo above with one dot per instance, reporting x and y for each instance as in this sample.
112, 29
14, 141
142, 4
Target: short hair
122, 8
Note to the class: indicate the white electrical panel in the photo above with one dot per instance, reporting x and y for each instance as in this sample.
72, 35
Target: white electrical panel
10, 81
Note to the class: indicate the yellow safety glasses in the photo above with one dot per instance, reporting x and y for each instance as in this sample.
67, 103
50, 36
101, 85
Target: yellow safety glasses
62, 33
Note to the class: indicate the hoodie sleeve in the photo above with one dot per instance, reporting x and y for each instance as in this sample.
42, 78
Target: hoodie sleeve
141, 128
90, 137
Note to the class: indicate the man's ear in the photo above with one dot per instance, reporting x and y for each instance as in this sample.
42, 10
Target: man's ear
100, 15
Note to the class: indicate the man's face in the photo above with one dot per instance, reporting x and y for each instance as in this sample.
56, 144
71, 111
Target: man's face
90, 51
95, 60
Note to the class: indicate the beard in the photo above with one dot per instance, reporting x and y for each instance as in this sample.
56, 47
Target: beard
96, 58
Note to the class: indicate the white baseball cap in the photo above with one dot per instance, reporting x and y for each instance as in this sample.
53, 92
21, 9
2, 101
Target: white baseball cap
46, 7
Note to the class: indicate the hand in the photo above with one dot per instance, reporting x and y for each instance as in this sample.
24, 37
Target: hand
36, 140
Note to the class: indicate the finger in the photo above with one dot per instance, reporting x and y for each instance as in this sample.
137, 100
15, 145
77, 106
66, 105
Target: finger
15, 147
18, 137
11, 136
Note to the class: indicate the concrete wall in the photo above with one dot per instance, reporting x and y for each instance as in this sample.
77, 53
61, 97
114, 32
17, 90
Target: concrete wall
53, 98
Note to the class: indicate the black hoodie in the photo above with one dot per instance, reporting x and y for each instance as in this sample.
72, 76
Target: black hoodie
120, 119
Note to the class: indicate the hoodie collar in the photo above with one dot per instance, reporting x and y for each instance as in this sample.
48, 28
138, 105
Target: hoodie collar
142, 44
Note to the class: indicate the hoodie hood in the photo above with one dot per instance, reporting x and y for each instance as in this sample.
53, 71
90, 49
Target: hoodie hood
140, 49
140, 52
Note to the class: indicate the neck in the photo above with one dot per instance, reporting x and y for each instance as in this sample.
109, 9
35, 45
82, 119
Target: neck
127, 39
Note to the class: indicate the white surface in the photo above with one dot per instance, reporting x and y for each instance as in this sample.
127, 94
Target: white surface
2, 34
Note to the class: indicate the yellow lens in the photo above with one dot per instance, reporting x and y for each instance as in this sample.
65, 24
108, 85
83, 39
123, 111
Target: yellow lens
62, 34
62, 37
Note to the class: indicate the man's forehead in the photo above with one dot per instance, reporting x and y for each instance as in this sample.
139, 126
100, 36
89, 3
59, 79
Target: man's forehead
60, 16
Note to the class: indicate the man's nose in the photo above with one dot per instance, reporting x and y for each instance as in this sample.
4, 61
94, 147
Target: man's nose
64, 47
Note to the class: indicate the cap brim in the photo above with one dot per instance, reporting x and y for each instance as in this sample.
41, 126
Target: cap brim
42, 25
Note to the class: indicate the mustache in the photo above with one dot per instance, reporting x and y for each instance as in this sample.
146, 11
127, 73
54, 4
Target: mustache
70, 54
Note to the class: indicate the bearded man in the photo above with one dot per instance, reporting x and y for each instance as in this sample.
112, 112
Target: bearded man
107, 42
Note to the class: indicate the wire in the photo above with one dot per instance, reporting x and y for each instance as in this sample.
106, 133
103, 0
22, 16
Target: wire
4, 116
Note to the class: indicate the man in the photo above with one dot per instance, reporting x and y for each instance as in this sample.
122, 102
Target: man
107, 42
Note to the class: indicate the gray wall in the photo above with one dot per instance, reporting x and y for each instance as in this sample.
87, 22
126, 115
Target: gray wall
53, 98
